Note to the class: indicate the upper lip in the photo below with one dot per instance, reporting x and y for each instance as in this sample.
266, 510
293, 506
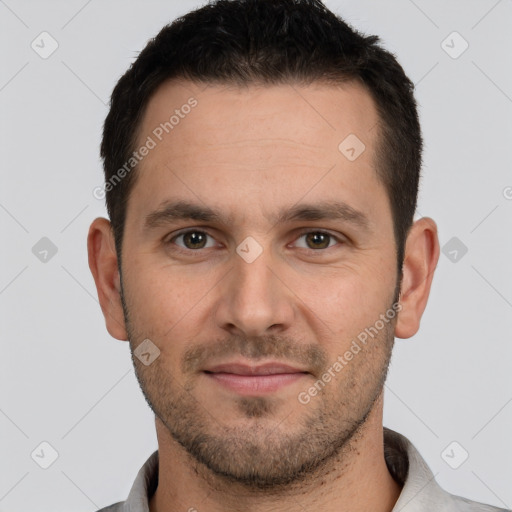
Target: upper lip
271, 368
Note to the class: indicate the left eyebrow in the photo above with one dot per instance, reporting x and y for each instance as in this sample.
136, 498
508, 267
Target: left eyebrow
331, 210
171, 211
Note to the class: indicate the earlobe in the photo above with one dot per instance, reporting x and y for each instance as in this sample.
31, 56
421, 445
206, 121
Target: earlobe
104, 267
420, 261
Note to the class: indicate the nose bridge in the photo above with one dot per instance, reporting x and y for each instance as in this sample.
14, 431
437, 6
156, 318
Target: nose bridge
253, 299
254, 279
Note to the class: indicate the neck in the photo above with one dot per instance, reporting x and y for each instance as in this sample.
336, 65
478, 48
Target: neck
356, 480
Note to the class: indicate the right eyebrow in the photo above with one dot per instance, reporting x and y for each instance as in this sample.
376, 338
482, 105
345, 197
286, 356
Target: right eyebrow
171, 211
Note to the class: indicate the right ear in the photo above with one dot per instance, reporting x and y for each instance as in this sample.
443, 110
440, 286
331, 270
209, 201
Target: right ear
420, 261
104, 267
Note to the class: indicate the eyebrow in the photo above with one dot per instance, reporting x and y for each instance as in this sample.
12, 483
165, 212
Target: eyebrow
172, 211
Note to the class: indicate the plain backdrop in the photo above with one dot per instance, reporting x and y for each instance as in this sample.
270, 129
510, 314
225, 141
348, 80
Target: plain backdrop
66, 382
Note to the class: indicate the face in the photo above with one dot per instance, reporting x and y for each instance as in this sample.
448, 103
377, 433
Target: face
259, 258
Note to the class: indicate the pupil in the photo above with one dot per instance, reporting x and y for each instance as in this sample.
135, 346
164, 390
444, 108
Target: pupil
319, 237
195, 239
320, 240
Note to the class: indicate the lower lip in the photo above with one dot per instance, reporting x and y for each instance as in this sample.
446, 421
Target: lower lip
255, 384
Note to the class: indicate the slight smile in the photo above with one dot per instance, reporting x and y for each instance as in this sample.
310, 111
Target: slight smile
252, 380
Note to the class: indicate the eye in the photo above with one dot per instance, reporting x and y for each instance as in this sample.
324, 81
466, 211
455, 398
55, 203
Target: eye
316, 240
192, 240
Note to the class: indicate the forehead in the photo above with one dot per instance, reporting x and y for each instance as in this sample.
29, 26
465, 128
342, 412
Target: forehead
231, 146
299, 113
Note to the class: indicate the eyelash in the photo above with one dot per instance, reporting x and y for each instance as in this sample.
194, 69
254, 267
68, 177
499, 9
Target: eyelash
301, 234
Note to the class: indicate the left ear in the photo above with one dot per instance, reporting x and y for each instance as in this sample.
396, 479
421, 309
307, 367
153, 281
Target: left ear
420, 260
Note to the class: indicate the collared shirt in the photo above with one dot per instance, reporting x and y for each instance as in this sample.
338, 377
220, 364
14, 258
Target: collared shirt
420, 491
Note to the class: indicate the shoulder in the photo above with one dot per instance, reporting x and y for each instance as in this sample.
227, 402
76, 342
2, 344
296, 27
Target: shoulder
143, 487
420, 491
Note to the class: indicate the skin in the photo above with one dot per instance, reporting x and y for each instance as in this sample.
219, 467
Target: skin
249, 153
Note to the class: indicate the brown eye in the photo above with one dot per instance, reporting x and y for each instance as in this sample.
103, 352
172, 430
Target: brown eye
315, 240
193, 240
318, 240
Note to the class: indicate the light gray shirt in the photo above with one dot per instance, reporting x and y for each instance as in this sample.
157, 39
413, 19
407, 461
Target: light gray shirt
420, 491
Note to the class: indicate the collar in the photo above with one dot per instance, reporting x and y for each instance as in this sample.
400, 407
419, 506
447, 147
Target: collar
420, 491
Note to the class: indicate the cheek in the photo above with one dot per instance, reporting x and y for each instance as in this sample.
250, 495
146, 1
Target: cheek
347, 302
160, 298
164, 307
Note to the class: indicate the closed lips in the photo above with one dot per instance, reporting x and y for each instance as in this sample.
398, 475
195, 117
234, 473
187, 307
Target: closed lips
264, 369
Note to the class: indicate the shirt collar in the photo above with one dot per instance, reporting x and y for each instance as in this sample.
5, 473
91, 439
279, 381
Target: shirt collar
420, 492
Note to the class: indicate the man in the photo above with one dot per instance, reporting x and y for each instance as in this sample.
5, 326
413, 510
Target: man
262, 163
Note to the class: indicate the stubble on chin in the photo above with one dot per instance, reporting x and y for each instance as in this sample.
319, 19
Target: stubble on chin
265, 451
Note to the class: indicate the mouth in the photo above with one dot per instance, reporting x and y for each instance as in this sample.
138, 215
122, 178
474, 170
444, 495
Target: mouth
254, 380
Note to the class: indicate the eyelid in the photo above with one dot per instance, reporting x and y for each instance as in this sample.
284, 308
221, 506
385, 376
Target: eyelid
340, 239
306, 231
185, 231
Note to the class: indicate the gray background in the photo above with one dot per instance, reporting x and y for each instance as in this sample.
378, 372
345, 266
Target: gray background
65, 381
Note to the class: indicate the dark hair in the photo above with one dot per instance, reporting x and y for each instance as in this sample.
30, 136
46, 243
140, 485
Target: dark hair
243, 42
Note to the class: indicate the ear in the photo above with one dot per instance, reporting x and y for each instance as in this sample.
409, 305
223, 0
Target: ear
104, 267
420, 260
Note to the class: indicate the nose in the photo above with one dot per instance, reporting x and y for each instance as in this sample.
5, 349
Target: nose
254, 299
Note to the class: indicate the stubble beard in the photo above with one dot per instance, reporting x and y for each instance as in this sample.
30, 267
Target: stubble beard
265, 451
